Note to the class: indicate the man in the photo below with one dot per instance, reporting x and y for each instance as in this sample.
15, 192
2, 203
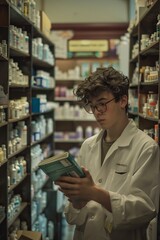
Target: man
118, 197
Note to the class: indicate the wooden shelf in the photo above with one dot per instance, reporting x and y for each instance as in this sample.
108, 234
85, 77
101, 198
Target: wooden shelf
149, 83
18, 86
12, 187
133, 113
41, 113
69, 79
17, 152
153, 49
65, 99
27, 63
134, 59
19, 119
2, 219
75, 119
148, 118
42, 139
3, 58
3, 124
40, 63
133, 85
68, 140
22, 207
4, 162
34, 88
14, 52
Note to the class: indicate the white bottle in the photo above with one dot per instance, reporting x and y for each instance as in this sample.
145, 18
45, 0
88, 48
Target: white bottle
66, 114
1, 155
13, 174
4, 151
21, 167
9, 181
88, 132
50, 230
24, 225
24, 135
18, 171
79, 132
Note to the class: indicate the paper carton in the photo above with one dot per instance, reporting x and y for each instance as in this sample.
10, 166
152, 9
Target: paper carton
45, 23
28, 235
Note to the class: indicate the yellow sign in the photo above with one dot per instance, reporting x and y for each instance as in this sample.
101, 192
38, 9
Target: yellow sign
88, 45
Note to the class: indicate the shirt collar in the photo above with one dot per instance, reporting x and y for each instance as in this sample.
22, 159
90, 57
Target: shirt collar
124, 139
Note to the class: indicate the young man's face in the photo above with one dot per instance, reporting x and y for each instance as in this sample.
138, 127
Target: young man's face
107, 111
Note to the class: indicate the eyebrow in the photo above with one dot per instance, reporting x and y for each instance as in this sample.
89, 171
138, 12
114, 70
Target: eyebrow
101, 99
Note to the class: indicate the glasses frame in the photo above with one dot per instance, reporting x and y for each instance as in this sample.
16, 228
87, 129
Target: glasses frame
96, 107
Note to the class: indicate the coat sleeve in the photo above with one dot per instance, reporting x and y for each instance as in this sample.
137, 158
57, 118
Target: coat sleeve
76, 216
140, 205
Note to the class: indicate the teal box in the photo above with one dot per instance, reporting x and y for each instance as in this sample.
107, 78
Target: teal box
36, 105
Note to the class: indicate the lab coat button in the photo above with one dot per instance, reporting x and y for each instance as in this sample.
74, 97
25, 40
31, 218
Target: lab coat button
100, 180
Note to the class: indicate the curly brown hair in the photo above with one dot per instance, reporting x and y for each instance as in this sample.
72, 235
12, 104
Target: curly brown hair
103, 79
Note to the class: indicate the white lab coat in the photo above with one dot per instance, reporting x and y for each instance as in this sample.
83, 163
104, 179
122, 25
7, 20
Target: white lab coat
130, 172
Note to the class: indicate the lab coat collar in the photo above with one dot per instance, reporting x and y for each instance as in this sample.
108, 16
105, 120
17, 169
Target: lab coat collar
124, 139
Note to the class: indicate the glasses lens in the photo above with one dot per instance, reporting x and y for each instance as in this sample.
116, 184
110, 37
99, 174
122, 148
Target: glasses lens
101, 107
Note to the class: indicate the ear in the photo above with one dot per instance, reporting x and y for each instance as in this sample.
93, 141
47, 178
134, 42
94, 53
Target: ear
124, 101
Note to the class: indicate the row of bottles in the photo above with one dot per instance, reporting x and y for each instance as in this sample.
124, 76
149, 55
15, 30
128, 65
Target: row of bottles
80, 134
19, 39
16, 77
68, 111
29, 9
17, 137
17, 170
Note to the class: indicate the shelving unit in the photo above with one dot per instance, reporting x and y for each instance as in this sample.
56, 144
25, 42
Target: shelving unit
142, 58
141, 86
28, 64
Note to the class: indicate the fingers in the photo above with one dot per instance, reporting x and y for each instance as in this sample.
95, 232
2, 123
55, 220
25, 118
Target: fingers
68, 179
87, 173
66, 186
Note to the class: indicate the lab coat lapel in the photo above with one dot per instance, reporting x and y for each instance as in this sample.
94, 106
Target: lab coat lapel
124, 139
95, 153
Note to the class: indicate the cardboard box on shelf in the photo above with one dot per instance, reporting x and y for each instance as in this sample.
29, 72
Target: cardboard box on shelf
45, 23
28, 235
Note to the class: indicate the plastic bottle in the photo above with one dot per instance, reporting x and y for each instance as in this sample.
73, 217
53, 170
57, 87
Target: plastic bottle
4, 48
88, 132
18, 171
40, 48
156, 111
1, 155
24, 135
79, 132
51, 230
145, 109
21, 167
9, 181
146, 73
13, 174
24, 225
158, 27
66, 114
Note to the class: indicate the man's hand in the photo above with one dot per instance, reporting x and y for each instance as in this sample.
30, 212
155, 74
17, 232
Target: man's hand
77, 189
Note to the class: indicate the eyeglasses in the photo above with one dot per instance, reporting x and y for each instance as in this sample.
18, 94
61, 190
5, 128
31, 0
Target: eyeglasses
100, 107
